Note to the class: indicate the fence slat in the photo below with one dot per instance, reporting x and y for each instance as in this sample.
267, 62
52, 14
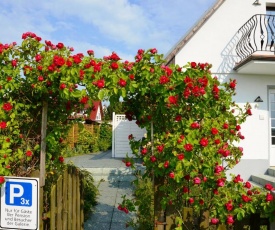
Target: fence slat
78, 211
70, 194
73, 200
53, 208
65, 200
59, 203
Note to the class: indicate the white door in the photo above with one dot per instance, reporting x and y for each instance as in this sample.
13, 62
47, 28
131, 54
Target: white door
272, 126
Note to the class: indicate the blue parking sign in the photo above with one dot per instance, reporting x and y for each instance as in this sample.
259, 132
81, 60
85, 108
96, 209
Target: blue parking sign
18, 193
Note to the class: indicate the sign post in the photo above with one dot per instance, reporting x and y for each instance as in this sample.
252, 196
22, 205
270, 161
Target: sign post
20, 203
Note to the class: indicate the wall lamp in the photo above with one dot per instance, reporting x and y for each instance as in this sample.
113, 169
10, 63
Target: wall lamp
257, 2
258, 99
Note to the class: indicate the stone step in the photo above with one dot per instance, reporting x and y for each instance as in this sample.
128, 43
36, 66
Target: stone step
112, 174
271, 171
263, 180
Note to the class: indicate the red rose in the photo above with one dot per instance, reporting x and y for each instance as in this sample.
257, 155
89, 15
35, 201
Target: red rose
232, 84
229, 206
122, 82
144, 151
2, 179
201, 201
3, 125
247, 185
130, 137
204, 142
193, 64
132, 76
90, 52
178, 118
185, 189
246, 198
195, 125
160, 148
38, 57
180, 156
269, 197
191, 200
7, 106
84, 100
173, 100
40, 78
220, 182
153, 51
269, 187
153, 159
166, 164
230, 219
172, 175
218, 169
248, 111
163, 80
61, 159
128, 163
14, 63
225, 126
62, 86
114, 65
100, 83
217, 141
29, 153
9, 78
188, 147
197, 180
214, 131
238, 179
214, 221
60, 45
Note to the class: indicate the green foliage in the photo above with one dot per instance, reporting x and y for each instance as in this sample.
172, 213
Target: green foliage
105, 137
117, 108
90, 193
141, 204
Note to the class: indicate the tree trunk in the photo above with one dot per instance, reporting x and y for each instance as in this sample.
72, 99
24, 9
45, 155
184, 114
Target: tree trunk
158, 212
43, 144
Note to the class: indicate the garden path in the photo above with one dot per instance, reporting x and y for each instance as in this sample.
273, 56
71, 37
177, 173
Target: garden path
113, 179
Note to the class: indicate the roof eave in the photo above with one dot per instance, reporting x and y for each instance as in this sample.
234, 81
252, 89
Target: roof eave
172, 53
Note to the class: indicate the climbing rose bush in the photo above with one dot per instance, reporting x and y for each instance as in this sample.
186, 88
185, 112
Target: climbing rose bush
193, 126
193, 134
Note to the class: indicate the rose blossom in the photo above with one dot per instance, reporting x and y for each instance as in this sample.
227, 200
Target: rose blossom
230, 219
269, 197
7, 106
269, 187
214, 221
197, 180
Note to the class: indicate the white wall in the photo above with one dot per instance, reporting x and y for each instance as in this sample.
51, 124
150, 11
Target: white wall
215, 43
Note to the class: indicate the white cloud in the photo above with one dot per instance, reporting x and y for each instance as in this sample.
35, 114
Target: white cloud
108, 25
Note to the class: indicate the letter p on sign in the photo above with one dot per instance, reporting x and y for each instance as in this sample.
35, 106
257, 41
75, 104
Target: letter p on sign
18, 193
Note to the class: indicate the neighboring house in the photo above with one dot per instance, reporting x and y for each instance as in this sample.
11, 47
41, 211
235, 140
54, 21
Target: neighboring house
237, 38
95, 116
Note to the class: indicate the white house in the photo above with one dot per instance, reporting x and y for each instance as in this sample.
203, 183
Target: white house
237, 38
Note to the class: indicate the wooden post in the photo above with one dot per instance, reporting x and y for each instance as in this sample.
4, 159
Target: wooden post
160, 221
43, 144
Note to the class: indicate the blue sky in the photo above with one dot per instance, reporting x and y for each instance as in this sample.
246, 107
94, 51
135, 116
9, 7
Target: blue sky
123, 26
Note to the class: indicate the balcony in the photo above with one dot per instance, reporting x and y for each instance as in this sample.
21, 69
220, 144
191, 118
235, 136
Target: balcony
255, 47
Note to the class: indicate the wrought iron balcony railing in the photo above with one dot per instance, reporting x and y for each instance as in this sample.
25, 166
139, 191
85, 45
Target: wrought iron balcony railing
257, 34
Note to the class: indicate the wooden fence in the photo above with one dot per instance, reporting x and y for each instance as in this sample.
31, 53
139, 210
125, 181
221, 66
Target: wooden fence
74, 133
66, 202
